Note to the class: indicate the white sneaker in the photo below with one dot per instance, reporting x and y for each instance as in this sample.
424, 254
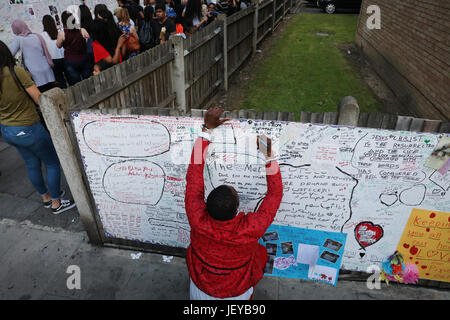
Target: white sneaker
48, 204
64, 206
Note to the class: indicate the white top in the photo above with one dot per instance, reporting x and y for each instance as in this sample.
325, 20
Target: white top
34, 58
197, 294
55, 52
195, 19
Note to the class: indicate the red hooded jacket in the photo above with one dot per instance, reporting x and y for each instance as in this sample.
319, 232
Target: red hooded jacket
224, 258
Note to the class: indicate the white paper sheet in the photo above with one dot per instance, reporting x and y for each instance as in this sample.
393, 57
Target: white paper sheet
308, 254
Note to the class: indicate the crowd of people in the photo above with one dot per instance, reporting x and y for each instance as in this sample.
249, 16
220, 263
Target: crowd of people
90, 42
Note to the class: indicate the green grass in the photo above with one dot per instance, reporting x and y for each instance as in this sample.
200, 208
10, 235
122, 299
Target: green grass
306, 72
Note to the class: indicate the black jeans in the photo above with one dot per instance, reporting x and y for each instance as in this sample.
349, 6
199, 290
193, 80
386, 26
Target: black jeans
60, 73
47, 86
77, 70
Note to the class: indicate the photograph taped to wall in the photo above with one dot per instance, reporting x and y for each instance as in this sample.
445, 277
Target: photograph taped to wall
287, 247
332, 245
272, 249
270, 236
329, 256
269, 264
440, 154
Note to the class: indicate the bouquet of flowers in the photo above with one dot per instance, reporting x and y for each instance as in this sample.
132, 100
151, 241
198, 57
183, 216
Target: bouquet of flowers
395, 269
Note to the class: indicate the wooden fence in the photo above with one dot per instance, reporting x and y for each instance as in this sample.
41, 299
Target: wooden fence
365, 120
140, 81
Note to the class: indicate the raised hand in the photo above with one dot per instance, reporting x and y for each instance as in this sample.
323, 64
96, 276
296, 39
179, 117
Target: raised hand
212, 116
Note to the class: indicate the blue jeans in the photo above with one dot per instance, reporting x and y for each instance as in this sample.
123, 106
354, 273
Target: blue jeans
77, 71
35, 145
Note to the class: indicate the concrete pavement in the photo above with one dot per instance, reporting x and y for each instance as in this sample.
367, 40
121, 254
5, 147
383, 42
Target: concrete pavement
37, 248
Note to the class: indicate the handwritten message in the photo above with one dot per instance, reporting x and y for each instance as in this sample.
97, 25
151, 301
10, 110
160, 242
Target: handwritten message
426, 242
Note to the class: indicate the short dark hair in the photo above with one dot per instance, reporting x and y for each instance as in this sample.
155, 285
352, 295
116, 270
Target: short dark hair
222, 203
160, 6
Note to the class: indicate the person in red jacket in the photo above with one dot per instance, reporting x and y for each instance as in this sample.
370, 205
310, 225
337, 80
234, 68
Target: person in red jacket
224, 257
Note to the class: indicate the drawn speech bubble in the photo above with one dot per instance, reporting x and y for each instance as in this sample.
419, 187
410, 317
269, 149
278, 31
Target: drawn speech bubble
126, 138
134, 181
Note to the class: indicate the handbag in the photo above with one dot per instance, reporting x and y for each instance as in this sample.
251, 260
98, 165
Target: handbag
132, 44
20, 61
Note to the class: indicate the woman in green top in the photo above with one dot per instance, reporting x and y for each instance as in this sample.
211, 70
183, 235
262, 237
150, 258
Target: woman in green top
21, 127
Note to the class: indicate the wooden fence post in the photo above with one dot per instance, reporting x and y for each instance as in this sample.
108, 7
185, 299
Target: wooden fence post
178, 77
255, 27
223, 17
54, 107
348, 111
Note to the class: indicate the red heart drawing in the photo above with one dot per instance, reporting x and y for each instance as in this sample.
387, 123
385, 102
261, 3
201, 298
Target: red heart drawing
405, 245
367, 233
413, 250
432, 215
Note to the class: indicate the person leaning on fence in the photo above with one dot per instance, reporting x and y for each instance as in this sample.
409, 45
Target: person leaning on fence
133, 45
21, 127
212, 13
146, 29
101, 12
193, 12
106, 52
224, 258
164, 27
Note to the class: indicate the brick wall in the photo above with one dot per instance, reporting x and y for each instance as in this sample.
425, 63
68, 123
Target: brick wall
411, 52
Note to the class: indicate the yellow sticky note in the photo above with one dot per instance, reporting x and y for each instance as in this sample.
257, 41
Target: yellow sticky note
426, 242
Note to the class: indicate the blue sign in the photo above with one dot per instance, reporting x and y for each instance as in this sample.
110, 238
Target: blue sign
303, 253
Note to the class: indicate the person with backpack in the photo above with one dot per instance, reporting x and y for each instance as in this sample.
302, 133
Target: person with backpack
146, 29
21, 127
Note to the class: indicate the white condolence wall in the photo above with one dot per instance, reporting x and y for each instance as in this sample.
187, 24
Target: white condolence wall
32, 11
358, 181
